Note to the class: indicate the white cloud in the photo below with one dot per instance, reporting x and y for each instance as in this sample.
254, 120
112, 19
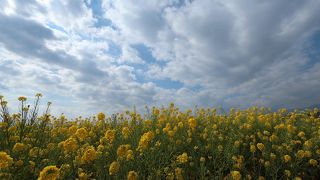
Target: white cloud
226, 53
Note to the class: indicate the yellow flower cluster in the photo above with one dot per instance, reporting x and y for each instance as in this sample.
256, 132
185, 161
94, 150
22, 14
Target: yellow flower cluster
5, 160
114, 168
145, 140
132, 175
70, 145
101, 116
49, 173
165, 143
110, 135
183, 158
124, 151
81, 133
89, 155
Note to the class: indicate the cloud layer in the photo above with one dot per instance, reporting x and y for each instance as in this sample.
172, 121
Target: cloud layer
92, 55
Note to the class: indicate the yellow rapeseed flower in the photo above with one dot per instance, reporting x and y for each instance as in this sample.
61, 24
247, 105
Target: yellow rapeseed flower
267, 164
70, 145
252, 148
192, 123
49, 173
313, 162
22, 98
5, 160
83, 176
32, 165
235, 175
308, 144
273, 138
287, 173
180, 125
301, 134
286, 158
19, 163
260, 146
307, 154
101, 116
261, 178
18, 147
183, 158
132, 175
89, 155
114, 168
72, 129
178, 173
123, 150
129, 155
125, 132
110, 135
81, 133
300, 154
236, 144
145, 140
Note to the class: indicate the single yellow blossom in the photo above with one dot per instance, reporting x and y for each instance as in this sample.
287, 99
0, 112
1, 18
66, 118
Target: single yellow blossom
286, 158
110, 135
81, 133
5, 160
18, 147
70, 145
101, 116
260, 146
192, 123
89, 155
313, 162
235, 175
132, 175
49, 173
114, 168
183, 158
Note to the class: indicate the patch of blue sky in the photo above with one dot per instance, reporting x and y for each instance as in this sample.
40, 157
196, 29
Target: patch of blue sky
114, 50
162, 83
168, 84
146, 55
56, 27
97, 11
313, 50
196, 88
179, 3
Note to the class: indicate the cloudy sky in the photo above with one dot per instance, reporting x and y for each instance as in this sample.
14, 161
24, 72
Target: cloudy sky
88, 56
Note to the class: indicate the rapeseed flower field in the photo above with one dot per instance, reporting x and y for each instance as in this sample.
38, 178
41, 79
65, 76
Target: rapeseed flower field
165, 143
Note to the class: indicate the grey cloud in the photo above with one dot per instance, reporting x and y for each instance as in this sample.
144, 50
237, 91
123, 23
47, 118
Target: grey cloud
28, 39
3, 87
234, 44
23, 36
27, 7
144, 20
7, 67
230, 48
118, 96
237, 53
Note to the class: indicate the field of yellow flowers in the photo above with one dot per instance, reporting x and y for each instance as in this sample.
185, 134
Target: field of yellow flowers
164, 143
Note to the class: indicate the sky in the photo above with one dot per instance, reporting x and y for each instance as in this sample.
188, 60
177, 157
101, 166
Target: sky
90, 56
